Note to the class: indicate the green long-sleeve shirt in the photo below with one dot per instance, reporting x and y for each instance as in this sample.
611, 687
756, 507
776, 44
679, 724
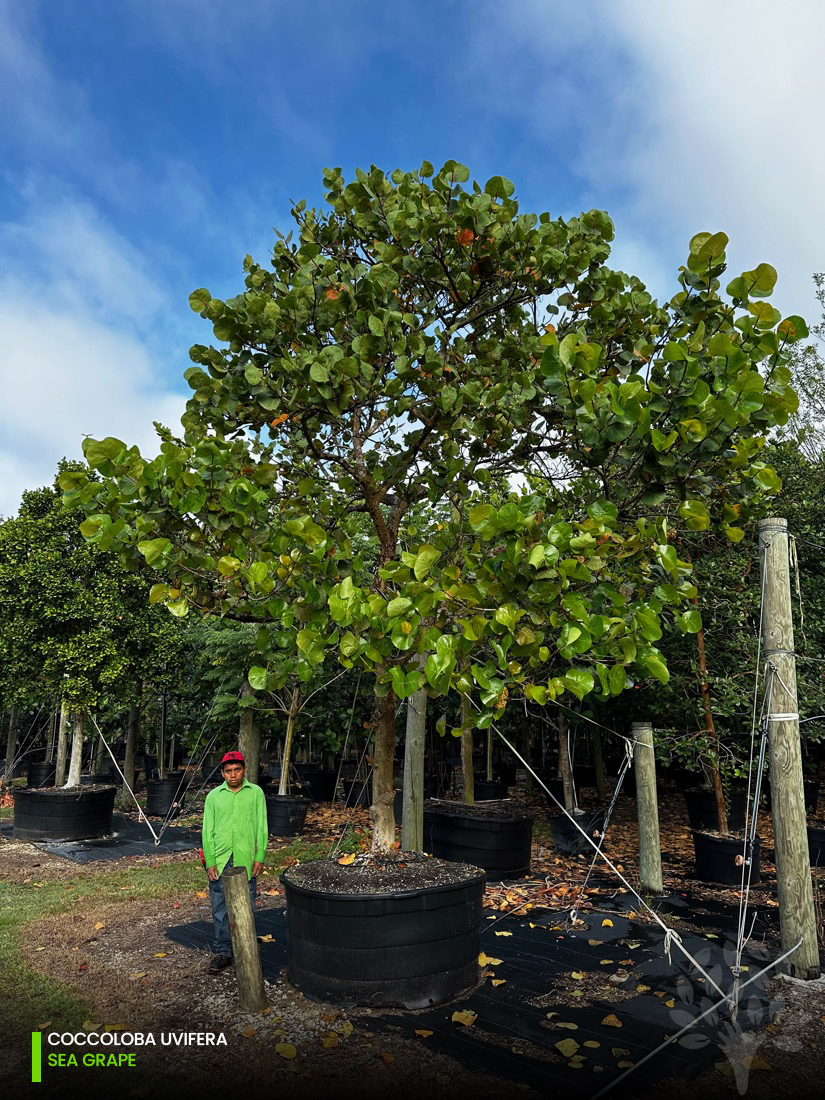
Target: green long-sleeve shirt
234, 824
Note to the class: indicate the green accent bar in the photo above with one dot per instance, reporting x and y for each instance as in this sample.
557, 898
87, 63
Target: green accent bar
36, 1079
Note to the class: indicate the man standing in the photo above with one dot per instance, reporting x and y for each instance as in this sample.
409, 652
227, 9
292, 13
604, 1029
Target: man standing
234, 835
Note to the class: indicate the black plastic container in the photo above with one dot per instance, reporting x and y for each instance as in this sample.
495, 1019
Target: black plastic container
719, 858
411, 950
554, 784
161, 794
701, 808
357, 792
500, 846
816, 845
568, 839
318, 783
41, 775
93, 779
285, 814
59, 813
484, 790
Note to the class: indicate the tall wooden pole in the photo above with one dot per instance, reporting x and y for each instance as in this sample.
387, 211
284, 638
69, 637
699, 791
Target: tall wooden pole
11, 742
797, 920
251, 996
650, 852
467, 751
412, 814
62, 744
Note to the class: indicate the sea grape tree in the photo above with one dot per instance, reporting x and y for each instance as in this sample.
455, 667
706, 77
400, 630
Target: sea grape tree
417, 342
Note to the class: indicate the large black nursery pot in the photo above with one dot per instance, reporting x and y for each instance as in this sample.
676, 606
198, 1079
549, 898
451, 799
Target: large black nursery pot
357, 792
701, 808
816, 845
162, 796
494, 836
568, 839
63, 813
41, 775
285, 814
95, 779
719, 858
355, 938
486, 789
318, 783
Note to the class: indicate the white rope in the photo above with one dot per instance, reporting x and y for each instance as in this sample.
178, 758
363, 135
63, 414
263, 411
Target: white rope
141, 815
674, 936
674, 1038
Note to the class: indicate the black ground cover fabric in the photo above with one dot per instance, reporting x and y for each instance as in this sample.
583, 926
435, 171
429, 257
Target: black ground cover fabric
514, 1038
129, 838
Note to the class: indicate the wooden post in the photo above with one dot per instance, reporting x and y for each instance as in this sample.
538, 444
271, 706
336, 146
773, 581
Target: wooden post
11, 742
294, 707
644, 762
78, 721
251, 996
565, 768
412, 816
467, 751
797, 919
132, 731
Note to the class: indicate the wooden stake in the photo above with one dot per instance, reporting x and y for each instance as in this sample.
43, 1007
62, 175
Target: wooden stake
251, 996
797, 919
412, 815
650, 848
467, 751
565, 769
62, 744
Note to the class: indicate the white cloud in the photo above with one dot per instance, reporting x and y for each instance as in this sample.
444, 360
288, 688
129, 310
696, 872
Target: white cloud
75, 355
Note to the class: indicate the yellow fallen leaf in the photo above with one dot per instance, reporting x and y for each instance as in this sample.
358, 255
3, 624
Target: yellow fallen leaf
725, 1068
504, 933
330, 1042
485, 960
268, 938
347, 859
159, 955
115, 1027
625, 1064
567, 1047
574, 1063
598, 1069
591, 1043
607, 923
465, 1017
605, 962
201, 894
578, 975
753, 1061
286, 1050
89, 1026
40, 948
670, 1002
620, 1052
612, 1020
248, 1032
42, 1027
567, 1026
386, 1058
641, 988
423, 1032
139, 974
99, 925
498, 981
552, 1015
344, 1028
595, 943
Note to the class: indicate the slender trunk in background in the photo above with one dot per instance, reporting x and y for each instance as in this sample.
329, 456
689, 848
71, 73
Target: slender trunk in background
565, 767
294, 706
249, 736
101, 756
73, 778
52, 741
62, 744
710, 726
598, 764
125, 801
467, 751
162, 738
489, 755
11, 743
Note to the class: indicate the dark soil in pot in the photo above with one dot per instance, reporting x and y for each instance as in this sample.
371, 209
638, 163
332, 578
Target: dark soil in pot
496, 836
568, 839
719, 858
285, 814
63, 813
400, 930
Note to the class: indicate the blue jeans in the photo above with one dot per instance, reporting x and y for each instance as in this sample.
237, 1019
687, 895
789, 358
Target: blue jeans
221, 938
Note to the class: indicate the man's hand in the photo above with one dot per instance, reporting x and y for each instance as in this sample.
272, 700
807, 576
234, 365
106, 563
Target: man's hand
213, 874
256, 869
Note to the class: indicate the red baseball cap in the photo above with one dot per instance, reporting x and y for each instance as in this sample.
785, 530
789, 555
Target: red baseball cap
233, 758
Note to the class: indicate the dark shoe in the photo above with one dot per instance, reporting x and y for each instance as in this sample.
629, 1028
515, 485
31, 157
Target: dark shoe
219, 963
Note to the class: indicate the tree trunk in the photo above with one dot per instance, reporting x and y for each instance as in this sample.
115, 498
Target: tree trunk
294, 707
11, 743
710, 726
467, 751
598, 764
412, 817
100, 756
78, 720
650, 847
489, 755
132, 731
383, 788
565, 768
249, 736
62, 745
52, 741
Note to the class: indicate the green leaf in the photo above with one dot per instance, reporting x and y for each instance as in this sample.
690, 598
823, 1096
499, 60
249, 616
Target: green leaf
761, 280
154, 549
253, 375
426, 170
158, 592
536, 558
318, 372
178, 608
695, 515
657, 667
399, 606
617, 678
425, 559
478, 516
691, 621
199, 300
792, 329
227, 565
579, 681
499, 187
376, 326
257, 678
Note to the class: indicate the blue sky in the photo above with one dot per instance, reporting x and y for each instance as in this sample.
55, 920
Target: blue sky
147, 145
